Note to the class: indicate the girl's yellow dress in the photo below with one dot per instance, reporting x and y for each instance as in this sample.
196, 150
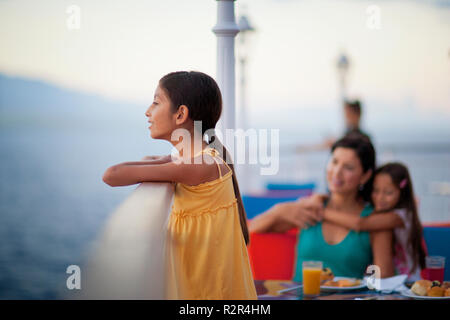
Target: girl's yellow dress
206, 252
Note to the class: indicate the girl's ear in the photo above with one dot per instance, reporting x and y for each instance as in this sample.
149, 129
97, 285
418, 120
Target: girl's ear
366, 176
182, 115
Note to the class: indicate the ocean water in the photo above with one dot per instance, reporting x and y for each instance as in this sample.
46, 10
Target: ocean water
53, 202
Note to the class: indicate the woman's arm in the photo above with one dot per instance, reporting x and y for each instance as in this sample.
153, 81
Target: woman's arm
382, 252
285, 216
374, 222
271, 220
129, 173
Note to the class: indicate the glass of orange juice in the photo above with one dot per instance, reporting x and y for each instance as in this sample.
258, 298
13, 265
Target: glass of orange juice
311, 277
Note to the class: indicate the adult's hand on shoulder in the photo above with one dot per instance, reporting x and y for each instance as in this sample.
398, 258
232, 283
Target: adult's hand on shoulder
313, 206
298, 213
287, 212
312, 212
315, 200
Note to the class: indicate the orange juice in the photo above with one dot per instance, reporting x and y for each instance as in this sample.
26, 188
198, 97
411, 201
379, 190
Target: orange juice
311, 277
311, 281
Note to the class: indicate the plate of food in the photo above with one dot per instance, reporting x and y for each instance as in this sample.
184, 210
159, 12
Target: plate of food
331, 283
428, 290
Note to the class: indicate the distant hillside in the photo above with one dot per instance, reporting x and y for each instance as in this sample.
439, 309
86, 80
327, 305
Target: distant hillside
28, 101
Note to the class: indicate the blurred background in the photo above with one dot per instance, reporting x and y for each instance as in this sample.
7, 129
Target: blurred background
76, 78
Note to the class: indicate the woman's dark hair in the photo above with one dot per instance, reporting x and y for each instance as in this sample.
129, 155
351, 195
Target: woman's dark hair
366, 153
402, 180
201, 95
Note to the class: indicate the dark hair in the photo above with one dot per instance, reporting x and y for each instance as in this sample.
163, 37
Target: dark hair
402, 180
354, 105
366, 153
201, 95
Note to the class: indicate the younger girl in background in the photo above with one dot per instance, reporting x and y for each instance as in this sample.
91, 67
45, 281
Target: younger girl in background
206, 253
395, 208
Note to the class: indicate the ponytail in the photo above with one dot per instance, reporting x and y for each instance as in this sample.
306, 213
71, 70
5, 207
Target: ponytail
214, 142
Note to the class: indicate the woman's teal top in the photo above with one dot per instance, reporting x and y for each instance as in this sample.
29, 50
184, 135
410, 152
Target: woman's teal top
348, 258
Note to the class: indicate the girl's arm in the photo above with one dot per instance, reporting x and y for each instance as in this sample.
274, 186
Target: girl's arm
374, 222
382, 252
129, 173
157, 159
149, 160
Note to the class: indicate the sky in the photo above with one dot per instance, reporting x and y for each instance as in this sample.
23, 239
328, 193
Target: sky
399, 55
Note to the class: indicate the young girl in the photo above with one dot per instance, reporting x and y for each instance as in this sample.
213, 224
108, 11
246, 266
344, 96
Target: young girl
207, 231
395, 208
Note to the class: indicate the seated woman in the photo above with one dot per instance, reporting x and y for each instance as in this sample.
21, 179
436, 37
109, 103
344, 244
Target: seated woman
346, 252
395, 209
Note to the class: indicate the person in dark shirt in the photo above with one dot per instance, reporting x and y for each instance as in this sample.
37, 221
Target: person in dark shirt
352, 116
352, 113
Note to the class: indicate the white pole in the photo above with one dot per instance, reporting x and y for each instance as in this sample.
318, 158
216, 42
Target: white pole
243, 170
243, 101
226, 29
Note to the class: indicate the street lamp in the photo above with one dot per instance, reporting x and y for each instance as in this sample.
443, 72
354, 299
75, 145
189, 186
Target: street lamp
243, 46
343, 66
245, 30
225, 30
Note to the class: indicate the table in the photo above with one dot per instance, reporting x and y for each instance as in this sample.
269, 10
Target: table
268, 290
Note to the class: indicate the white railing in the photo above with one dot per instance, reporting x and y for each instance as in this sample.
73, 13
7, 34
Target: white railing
127, 260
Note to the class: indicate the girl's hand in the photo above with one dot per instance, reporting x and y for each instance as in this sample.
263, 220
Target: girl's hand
315, 203
316, 200
299, 213
312, 209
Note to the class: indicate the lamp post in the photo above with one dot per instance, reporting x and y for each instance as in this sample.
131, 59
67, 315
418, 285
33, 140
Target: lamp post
225, 30
245, 28
243, 52
343, 66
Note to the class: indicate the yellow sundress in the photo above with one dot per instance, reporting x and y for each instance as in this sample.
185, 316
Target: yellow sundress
206, 253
